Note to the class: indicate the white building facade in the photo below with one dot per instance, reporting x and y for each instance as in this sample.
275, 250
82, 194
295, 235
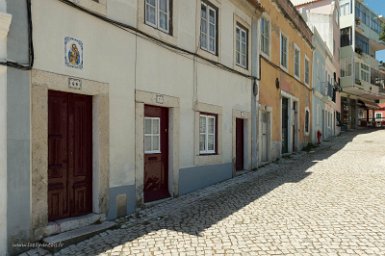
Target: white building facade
323, 18
5, 21
126, 103
361, 78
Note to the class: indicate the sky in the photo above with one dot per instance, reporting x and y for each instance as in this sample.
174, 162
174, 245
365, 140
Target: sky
378, 6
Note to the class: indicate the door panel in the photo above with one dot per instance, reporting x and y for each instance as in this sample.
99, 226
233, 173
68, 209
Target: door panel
69, 155
285, 125
155, 153
264, 139
239, 162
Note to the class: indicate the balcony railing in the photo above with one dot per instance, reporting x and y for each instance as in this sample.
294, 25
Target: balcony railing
377, 78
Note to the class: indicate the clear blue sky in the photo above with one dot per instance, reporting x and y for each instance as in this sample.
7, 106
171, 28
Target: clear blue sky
378, 6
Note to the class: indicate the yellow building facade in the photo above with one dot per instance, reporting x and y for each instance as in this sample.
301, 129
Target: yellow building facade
286, 77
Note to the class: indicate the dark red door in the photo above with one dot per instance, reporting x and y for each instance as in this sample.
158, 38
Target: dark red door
239, 145
69, 155
155, 153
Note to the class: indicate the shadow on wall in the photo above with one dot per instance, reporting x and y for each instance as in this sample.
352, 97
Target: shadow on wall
195, 218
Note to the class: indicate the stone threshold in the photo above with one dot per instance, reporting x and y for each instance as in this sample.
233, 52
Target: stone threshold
64, 225
64, 239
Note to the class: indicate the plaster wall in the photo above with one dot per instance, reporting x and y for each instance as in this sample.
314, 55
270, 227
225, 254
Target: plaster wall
3, 131
102, 56
270, 95
17, 125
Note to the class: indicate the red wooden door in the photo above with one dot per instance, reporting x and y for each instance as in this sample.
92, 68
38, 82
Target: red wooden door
155, 153
239, 165
69, 155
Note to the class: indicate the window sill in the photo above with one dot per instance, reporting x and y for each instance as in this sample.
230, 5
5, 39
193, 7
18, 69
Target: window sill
99, 7
208, 159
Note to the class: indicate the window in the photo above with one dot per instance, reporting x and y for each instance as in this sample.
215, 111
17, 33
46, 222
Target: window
207, 134
307, 71
378, 116
345, 6
265, 36
307, 120
151, 135
241, 46
208, 40
297, 55
362, 43
157, 14
365, 73
346, 36
284, 47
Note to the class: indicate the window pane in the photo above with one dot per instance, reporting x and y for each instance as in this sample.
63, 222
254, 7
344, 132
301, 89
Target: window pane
212, 16
211, 125
156, 143
211, 142
147, 126
150, 11
202, 124
202, 142
163, 5
147, 143
203, 37
163, 21
155, 126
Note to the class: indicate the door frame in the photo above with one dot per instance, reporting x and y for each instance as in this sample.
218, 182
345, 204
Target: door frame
290, 139
246, 116
269, 110
43, 81
172, 103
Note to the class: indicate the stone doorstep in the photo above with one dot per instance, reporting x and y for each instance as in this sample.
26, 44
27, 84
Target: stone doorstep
67, 224
74, 236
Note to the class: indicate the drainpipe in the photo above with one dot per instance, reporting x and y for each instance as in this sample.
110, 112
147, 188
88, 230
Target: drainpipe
5, 21
256, 73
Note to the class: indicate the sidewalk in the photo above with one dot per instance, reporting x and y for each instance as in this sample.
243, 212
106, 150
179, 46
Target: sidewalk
136, 225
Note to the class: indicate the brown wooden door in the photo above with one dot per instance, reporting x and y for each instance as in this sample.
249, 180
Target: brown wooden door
69, 155
239, 165
155, 153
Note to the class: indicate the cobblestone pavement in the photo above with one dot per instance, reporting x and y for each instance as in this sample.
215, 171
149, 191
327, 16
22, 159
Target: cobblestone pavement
327, 202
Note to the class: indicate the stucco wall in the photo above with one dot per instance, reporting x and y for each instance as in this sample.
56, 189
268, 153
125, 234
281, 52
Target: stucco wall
18, 128
270, 95
123, 67
3, 129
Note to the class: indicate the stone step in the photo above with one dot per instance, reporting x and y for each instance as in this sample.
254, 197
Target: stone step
74, 236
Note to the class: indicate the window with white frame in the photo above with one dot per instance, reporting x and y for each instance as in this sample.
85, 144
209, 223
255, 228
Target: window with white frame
207, 133
284, 51
151, 135
297, 57
265, 36
157, 14
365, 72
208, 34
345, 7
307, 71
241, 49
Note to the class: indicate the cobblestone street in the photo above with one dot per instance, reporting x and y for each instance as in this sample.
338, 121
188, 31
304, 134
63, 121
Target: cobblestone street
327, 202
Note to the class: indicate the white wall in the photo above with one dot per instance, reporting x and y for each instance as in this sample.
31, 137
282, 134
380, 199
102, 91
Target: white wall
128, 63
3, 135
105, 60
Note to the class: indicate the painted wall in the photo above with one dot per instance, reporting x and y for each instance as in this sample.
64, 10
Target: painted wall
18, 128
270, 95
125, 65
4, 28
